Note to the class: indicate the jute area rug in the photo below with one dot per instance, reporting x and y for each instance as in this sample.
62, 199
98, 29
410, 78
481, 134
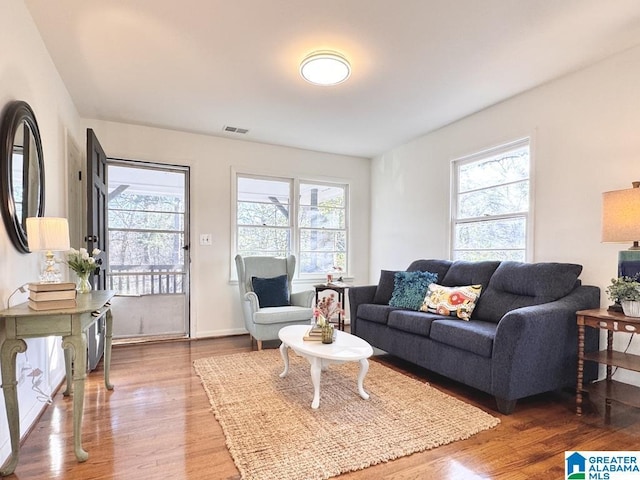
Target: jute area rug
273, 434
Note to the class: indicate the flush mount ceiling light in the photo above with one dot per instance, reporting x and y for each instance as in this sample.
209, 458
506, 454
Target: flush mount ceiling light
325, 68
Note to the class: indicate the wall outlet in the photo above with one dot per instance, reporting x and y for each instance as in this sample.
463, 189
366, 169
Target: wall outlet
206, 239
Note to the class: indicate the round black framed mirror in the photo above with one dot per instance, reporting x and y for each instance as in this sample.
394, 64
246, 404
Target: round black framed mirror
21, 170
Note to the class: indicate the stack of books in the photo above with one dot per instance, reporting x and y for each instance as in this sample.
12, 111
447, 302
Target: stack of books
52, 296
314, 334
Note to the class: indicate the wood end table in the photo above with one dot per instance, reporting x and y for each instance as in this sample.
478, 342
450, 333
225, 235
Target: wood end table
612, 322
340, 289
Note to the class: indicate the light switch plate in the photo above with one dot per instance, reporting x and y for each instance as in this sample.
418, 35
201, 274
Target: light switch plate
205, 239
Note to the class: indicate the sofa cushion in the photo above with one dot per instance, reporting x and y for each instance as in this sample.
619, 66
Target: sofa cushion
515, 285
469, 273
439, 267
451, 301
374, 313
418, 323
410, 288
271, 292
384, 290
474, 336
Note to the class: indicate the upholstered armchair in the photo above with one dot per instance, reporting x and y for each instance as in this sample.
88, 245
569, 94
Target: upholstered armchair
266, 298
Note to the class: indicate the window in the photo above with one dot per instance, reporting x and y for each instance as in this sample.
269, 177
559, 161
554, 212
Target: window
491, 198
267, 222
323, 229
263, 216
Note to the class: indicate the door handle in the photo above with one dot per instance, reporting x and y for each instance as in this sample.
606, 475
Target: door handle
91, 238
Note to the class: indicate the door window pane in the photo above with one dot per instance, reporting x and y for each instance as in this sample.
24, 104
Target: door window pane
146, 224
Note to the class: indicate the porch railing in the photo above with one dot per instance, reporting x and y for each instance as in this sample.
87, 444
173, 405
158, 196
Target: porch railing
146, 279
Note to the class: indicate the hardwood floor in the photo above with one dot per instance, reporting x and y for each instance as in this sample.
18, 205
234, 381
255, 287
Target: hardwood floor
157, 424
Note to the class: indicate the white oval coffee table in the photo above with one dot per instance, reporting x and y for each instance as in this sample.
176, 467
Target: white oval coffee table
345, 348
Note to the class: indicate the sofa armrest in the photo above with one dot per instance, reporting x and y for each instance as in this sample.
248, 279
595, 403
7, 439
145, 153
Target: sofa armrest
359, 296
535, 348
303, 299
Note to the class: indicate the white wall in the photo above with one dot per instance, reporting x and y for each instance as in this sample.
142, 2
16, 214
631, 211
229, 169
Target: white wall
215, 305
585, 130
27, 73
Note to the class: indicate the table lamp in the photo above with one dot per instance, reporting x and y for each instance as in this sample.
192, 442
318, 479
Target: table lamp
621, 223
48, 234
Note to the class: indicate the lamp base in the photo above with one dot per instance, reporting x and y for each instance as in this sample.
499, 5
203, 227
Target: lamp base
628, 263
51, 273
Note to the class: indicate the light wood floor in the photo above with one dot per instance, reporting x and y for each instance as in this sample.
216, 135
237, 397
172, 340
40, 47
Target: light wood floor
156, 424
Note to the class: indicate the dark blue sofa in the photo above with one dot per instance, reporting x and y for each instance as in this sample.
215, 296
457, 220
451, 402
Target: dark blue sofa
521, 339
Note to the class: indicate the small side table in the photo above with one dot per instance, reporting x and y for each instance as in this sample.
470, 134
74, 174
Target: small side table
611, 390
339, 289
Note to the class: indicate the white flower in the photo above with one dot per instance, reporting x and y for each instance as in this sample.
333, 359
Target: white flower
96, 251
81, 262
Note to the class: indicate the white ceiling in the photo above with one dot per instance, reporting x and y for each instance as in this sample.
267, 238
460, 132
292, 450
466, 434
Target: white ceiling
198, 65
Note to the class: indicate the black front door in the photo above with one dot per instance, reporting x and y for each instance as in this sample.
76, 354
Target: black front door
96, 235
97, 204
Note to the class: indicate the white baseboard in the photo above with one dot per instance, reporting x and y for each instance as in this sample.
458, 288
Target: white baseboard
222, 333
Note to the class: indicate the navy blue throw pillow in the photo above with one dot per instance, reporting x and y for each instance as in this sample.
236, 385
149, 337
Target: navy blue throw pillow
410, 289
271, 292
384, 290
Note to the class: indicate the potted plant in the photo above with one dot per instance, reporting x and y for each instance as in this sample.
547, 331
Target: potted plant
626, 291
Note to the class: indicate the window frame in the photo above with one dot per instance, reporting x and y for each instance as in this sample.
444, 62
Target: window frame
294, 198
299, 228
480, 156
292, 207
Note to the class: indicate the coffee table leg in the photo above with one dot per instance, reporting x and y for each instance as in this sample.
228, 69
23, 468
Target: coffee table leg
364, 368
284, 352
316, 368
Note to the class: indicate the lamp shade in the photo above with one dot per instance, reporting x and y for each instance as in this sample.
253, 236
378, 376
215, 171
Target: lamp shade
621, 215
47, 234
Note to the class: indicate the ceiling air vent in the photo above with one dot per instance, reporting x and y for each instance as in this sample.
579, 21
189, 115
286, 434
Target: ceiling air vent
241, 131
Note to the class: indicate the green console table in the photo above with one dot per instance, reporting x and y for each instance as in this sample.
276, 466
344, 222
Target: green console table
71, 324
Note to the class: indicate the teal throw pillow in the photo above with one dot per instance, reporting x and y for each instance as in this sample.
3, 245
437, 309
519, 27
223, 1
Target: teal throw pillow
410, 289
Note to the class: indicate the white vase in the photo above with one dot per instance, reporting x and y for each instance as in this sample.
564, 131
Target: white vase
630, 308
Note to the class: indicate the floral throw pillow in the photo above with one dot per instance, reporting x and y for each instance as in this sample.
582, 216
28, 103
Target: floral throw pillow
451, 301
409, 289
